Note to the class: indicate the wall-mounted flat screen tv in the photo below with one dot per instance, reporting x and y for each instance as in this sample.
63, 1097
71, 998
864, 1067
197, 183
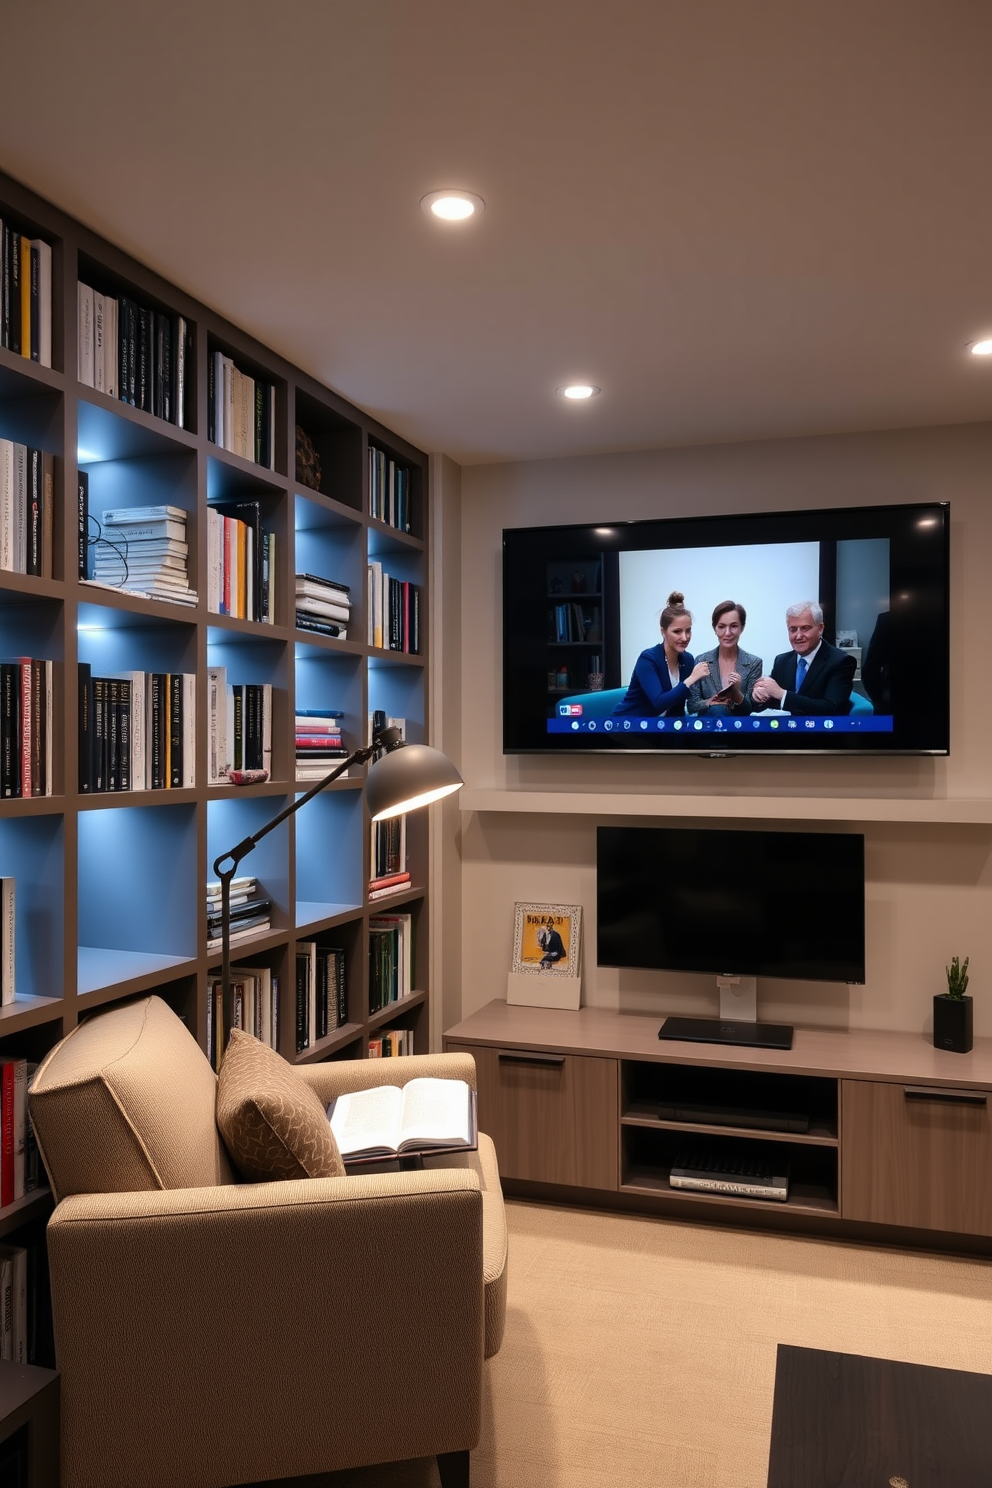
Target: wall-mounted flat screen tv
796, 632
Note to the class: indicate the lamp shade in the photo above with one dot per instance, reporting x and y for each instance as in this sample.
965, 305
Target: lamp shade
407, 777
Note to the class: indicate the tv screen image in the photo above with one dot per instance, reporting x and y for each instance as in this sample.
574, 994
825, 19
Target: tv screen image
595, 657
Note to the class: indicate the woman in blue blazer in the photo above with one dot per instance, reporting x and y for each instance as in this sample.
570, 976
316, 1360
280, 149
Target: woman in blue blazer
732, 670
663, 674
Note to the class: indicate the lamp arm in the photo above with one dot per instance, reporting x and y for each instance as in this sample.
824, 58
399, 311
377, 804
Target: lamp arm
235, 854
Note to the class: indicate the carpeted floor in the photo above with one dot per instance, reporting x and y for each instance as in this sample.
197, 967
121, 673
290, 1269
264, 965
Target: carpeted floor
641, 1352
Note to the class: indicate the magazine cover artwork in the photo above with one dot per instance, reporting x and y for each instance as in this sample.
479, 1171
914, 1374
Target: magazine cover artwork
547, 939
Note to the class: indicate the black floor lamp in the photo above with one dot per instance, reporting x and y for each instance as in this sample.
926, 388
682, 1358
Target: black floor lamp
401, 778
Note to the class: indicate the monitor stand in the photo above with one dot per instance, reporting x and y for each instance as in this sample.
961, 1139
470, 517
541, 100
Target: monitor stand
737, 1023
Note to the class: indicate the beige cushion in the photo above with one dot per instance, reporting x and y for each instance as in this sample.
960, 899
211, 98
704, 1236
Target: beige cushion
272, 1123
126, 1102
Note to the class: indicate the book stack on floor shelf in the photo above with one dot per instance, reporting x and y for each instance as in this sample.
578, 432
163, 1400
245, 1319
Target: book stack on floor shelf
241, 566
239, 726
250, 912
241, 412
26, 742
137, 731
321, 992
322, 605
390, 959
26, 298
319, 742
133, 353
27, 495
143, 549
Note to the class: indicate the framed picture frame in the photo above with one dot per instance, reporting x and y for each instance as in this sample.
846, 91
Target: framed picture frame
547, 940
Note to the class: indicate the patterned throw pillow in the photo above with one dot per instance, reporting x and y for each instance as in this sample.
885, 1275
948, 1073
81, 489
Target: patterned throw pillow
273, 1124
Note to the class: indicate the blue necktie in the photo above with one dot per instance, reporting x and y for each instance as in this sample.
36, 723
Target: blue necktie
801, 665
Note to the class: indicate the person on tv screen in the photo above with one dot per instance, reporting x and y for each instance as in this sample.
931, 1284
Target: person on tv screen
814, 677
733, 671
663, 674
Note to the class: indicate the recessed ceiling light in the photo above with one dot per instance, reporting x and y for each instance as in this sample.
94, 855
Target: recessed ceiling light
577, 391
982, 348
451, 205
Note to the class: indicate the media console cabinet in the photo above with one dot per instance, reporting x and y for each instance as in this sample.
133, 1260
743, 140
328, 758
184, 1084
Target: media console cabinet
591, 1107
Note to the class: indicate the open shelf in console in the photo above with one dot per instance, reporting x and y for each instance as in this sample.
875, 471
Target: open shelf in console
647, 1157
762, 1106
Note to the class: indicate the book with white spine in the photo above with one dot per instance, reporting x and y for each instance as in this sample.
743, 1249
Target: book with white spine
84, 369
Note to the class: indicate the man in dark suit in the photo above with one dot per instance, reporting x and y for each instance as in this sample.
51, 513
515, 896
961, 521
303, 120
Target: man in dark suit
814, 677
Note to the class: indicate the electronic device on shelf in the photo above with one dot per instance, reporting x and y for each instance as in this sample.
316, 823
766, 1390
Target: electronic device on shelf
581, 603
737, 905
743, 1116
740, 1175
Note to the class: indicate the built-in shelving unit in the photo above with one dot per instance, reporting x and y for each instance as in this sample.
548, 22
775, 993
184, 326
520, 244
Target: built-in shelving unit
110, 887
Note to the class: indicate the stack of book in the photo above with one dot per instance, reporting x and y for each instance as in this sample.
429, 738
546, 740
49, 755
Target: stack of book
390, 959
25, 295
239, 726
240, 562
137, 731
394, 612
392, 1043
249, 912
319, 744
389, 490
27, 498
26, 743
133, 353
254, 1009
241, 412
321, 993
143, 549
322, 605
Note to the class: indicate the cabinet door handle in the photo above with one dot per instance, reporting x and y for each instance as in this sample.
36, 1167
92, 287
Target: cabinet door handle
528, 1056
942, 1093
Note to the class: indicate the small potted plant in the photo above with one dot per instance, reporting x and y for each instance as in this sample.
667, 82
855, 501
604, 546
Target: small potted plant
952, 1015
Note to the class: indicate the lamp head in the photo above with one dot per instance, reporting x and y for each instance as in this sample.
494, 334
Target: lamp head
407, 776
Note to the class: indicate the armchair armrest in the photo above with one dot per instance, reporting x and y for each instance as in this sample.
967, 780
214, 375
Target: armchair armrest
339, 1077
321, 1324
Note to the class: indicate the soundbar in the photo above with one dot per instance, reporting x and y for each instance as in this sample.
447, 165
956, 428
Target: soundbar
784, 1121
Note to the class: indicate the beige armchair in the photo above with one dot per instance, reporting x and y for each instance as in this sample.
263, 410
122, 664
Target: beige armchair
212, 1332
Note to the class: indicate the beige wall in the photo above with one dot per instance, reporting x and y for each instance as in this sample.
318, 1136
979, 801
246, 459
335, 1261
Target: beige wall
929, 890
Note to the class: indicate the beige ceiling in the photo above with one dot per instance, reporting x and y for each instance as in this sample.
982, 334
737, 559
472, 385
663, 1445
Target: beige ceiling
743, 218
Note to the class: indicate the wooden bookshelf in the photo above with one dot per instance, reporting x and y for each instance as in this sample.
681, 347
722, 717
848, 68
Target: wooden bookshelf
110, 886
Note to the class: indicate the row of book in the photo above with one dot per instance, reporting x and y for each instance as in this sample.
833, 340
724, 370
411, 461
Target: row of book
390, 959
20, 1168
25, 295
571, 622
389, 490
391, 1044
321, 992
26, 1335
319, 742
137, 730
241, 563
250, 912
133, 353
241, 412
143, 549
254, 1009
239, 726
27, 505
26, 740
322, 605
394, 612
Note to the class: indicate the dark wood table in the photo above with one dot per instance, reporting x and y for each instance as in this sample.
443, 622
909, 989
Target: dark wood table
845, 1421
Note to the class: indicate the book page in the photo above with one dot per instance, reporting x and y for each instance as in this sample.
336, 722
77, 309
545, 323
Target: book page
436, 1111
367, 1120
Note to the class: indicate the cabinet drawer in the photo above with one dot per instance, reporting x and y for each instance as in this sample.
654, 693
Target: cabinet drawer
917, 1155
553, 1117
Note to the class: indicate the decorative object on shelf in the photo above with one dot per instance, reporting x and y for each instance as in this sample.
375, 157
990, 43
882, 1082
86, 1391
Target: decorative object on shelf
247, 777
403, 777
308, 471
578, 582
953, 1021
547, 945
596, 680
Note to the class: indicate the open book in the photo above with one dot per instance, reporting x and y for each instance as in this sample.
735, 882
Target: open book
425, 1115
